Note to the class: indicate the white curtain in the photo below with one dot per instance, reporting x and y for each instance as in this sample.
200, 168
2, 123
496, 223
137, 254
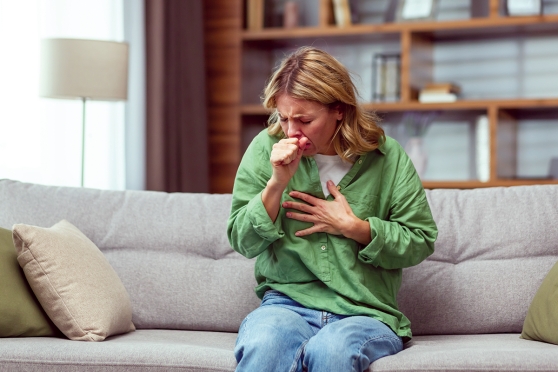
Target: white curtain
40, 138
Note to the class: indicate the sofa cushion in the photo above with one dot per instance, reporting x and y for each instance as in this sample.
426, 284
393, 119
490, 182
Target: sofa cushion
73, 281
141, 351
494, 248
491, 352
541, 323
169, 249
21, 313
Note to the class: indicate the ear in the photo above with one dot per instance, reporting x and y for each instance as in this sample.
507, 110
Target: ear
338, 112
339, 115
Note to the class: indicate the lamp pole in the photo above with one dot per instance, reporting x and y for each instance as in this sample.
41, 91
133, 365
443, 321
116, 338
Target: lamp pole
82, 140
86, 70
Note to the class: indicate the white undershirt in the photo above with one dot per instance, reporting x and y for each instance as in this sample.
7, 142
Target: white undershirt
331, 167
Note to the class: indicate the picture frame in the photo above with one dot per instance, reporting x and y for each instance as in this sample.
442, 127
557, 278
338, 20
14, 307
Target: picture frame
416, 10
524, 7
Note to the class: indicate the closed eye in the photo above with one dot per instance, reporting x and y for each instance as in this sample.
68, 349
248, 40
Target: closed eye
284, 120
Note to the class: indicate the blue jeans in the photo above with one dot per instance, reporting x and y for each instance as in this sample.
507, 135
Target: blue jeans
282, 335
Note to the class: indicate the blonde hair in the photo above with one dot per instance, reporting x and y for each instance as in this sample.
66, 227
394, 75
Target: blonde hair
312, 74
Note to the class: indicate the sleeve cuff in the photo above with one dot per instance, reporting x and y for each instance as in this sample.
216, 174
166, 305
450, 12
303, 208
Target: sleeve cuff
370, 252
261, 222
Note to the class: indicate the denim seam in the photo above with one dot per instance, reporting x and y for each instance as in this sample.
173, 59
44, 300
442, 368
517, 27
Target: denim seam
298, 356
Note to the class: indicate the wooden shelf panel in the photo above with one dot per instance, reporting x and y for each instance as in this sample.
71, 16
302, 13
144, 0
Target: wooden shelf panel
477, 184
415, 41
440, 28
255, 109
483, 104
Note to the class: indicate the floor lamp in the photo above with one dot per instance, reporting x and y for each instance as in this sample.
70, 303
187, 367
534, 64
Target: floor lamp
86, 70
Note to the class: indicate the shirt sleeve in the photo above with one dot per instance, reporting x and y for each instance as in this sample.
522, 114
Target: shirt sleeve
407, 237
250, 229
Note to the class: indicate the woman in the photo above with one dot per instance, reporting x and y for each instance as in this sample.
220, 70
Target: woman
333, 210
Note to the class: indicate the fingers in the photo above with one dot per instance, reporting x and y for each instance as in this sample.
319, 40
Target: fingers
287, 150
305, 197
333, 189
308, 231
302, 143
283, 153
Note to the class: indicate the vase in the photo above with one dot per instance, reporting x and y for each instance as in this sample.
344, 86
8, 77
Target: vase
290, 16
415, 149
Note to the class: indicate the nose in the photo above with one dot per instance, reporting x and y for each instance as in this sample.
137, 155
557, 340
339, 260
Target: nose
293, 129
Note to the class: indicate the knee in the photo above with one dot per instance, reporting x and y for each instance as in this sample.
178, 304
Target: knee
350, 345
333, 351
267, 333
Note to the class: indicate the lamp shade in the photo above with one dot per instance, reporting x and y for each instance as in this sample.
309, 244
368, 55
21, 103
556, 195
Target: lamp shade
92, 69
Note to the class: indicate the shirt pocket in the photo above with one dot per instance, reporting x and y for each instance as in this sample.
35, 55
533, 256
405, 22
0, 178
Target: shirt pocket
362, 205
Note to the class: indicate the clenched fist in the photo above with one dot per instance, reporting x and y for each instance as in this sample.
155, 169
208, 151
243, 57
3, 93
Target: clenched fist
285, 157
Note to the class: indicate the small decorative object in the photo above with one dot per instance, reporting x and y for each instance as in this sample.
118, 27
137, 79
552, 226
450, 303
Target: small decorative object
439, 92
416, 125
290, 15
386, 77
482, 148
553, 168
416, 10
524, 7
415, 149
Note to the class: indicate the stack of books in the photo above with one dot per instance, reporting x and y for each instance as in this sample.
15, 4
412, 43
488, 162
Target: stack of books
439, 92
386, 77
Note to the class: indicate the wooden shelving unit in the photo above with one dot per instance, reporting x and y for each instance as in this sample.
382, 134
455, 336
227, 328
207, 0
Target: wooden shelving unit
414, 39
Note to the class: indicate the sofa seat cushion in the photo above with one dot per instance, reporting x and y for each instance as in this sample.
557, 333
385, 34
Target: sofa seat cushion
488, 352
143, 350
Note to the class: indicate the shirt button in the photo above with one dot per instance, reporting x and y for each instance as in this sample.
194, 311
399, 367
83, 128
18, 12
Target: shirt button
360, 161
338, 187
323, 247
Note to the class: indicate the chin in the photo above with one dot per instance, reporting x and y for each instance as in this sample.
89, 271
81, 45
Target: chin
309, 152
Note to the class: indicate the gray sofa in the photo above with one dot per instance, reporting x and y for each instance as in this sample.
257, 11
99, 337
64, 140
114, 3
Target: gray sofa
190, 290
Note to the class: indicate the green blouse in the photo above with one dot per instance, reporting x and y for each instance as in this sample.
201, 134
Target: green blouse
330, 272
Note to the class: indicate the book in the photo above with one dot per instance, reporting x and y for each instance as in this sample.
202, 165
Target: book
427, 97
386, 78
342, 12
255, 14
482, 148
441, 88
439, 92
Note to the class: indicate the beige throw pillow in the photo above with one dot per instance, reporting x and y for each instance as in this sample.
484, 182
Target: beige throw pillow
75, 284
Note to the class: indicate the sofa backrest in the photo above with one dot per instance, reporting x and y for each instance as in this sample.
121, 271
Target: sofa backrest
170, 250
494, 248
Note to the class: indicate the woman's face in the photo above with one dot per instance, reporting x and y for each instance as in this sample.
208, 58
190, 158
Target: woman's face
310, 119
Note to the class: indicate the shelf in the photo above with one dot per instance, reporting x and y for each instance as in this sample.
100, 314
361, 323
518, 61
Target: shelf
255, 109
439, 28
430, 51
478, 184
